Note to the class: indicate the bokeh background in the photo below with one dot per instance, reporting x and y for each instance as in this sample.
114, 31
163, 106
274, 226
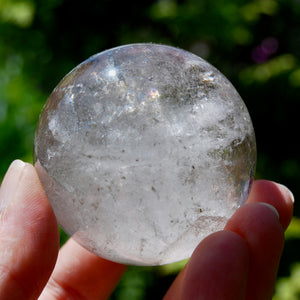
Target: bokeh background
256, 44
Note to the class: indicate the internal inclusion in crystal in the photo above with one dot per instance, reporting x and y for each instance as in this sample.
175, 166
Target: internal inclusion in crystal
143, 150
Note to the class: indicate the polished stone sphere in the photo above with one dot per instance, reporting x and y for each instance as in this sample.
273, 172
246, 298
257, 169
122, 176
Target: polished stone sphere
143, 150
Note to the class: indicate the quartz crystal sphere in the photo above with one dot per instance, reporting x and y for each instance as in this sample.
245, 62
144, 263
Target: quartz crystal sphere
143, 150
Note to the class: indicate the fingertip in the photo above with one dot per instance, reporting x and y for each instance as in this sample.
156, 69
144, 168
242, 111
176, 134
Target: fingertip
287, 191
9, 183
253, 219
277, 195
271, 207
17, 163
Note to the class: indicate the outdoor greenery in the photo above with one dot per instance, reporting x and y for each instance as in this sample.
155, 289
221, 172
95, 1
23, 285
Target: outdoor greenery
256, 44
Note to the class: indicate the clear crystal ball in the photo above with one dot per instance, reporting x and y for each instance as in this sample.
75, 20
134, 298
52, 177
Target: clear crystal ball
143, 150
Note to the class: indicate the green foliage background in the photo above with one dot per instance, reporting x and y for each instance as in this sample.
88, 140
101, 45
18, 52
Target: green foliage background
256, 44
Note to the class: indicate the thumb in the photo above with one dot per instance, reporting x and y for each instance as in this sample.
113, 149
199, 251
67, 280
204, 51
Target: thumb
29, 239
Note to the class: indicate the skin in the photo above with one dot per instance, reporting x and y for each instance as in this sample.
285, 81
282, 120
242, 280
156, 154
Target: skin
239, 262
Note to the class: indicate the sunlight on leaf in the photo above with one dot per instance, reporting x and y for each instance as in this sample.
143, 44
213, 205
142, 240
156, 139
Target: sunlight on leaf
173, 268
272, 68
295, 78
251, 11
293, 231
20, 13
164, 9
288, 288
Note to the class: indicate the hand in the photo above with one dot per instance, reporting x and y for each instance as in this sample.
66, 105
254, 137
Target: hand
239, 262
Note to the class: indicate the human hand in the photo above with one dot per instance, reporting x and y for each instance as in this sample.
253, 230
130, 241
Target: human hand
239, 262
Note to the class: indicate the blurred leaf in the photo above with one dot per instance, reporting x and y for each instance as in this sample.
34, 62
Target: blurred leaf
290, 168
288, 288
20, 13
295, 78
134, 284
173, 268
293, 231
274, 67
251, 11
164, 9
63, 237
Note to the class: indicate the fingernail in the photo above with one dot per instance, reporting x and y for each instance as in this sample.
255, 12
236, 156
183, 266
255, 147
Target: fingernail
271, 207
285, 189
10, 183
